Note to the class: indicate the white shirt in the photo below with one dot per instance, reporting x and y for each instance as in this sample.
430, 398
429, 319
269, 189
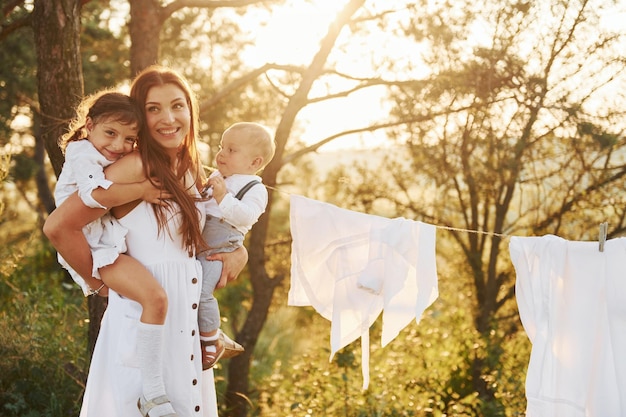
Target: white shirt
352, 266
241, 214
572, 303
83, 170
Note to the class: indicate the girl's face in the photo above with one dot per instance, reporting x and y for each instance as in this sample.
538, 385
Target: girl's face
236, 156
168, 117
112, 138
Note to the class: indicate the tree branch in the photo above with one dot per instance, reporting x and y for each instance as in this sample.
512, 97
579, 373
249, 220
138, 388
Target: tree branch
6, 30
312, 148
566, 207
209, 4
242, 81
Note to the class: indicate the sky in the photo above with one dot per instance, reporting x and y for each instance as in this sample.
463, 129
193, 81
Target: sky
292, 37
290, 34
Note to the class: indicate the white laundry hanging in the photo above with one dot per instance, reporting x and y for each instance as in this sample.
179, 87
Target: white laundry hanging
572, 303
352, 266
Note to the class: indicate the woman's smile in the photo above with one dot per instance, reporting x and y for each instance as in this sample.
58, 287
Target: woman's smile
168, 115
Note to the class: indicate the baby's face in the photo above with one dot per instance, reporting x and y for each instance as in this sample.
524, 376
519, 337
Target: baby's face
112, 139
236, 156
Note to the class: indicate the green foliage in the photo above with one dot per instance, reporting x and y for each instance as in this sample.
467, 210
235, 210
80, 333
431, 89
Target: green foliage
42, 338
425, 371
104, 53
18, 72
597, 133
24, 167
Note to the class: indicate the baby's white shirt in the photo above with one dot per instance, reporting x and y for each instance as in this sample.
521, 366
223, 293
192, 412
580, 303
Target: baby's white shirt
241, 214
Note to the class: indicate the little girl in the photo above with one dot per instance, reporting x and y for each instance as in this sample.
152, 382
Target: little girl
105, 129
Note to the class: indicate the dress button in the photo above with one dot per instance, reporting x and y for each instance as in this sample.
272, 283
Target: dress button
193, 332
194, 281
192, 357
197, 408
194, 306
194, 382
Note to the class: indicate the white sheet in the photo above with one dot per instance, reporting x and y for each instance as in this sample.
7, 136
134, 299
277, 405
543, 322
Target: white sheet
352, 266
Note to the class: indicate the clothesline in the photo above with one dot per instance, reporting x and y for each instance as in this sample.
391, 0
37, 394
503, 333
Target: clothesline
450, 228
480, 232
353, 267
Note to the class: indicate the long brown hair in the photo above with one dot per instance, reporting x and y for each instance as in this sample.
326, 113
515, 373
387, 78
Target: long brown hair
157, 162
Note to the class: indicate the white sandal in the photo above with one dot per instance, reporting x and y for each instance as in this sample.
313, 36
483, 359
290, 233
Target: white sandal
145, 406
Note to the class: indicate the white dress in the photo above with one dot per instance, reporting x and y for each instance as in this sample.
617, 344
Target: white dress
83, 171
114, 382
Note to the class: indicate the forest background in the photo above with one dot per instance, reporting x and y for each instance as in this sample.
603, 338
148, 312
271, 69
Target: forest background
487, 120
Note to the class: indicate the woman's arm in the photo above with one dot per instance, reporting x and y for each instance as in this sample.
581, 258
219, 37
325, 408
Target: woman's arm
118, 194
64, 228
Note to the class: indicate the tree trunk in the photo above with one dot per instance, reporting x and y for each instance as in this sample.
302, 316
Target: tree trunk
56, 25
263, 286
41, 178
145, 28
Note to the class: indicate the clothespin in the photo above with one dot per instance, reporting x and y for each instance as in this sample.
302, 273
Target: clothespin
604, 227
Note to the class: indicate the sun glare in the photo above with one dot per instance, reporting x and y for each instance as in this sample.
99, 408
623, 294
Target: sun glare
292, 32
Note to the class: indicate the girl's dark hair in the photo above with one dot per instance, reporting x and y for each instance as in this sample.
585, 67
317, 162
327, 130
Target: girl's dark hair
105, 105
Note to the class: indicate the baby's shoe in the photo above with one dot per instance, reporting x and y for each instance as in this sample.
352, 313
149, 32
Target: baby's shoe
212, 351
231, 348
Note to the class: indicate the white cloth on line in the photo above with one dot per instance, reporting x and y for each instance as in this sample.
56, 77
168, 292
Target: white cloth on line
352, 266
572, 303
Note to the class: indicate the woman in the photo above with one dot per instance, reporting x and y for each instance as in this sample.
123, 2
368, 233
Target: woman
164, 239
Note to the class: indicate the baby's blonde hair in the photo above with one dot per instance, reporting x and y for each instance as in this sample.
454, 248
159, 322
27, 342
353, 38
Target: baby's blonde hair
258, 136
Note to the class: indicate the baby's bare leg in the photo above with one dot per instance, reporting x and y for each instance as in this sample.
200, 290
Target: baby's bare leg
128, 277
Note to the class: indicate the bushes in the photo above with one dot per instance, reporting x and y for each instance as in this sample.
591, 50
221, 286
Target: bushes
43, 337
426, 371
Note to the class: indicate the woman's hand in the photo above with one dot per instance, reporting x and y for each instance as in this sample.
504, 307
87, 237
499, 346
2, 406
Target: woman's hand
232, 264
153, 192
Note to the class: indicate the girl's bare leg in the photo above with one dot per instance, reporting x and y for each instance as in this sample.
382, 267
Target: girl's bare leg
64, 228
128, 277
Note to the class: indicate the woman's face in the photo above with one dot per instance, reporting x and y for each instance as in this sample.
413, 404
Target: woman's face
168, 117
